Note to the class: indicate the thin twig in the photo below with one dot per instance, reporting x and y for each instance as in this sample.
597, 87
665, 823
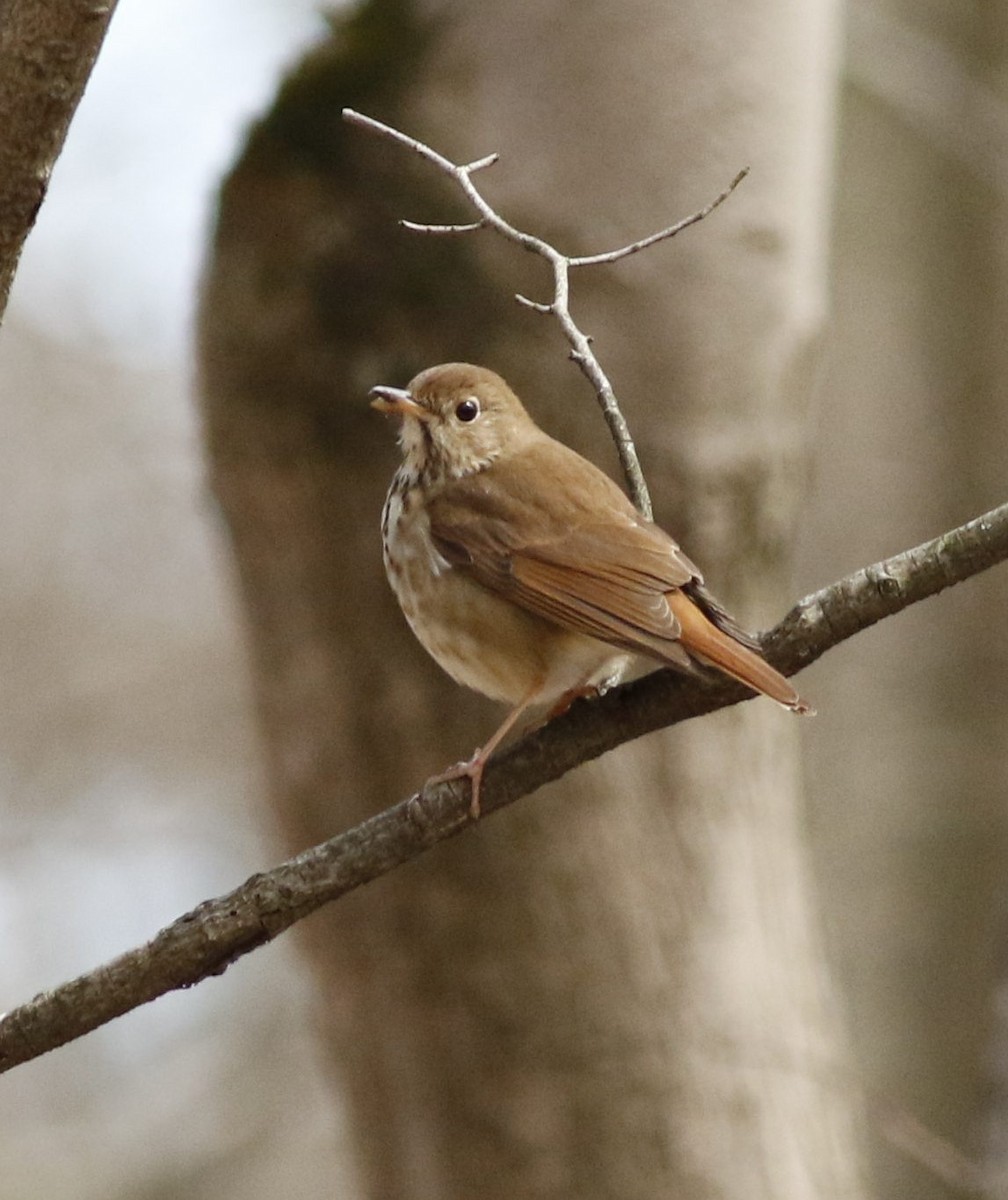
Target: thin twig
908, 1134
451, 230
535, 305
611, 256
207, 940
581, 351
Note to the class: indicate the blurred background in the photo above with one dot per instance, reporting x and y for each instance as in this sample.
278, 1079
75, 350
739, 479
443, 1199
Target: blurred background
132, 779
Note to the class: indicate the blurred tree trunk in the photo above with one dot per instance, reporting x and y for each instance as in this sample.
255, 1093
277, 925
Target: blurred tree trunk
617, 988
909, 797
990, 746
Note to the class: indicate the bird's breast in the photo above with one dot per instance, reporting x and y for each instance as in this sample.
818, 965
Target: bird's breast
409, 552
480, 639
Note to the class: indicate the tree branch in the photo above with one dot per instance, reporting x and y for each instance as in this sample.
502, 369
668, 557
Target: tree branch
207, 940
611, 256
47, 50
580, 343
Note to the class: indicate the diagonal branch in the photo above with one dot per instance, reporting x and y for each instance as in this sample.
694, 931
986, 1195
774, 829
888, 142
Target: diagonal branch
559, 307
207, 940
47, 50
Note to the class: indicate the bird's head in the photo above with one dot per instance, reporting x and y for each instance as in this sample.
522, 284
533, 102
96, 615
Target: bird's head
456, 419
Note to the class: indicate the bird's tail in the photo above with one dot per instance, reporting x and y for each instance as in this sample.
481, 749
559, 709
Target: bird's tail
701, 638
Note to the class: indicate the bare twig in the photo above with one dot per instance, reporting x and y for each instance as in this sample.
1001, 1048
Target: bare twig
47, 50
611, 256
559, 307
934, 1153
450, 230
207, 940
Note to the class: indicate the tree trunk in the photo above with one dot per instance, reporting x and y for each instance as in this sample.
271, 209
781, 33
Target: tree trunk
908, 808
617, 988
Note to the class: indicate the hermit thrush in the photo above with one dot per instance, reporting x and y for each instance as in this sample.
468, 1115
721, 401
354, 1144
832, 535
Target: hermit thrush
524, 570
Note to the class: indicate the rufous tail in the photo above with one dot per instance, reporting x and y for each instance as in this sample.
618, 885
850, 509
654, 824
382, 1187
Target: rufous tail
703, 639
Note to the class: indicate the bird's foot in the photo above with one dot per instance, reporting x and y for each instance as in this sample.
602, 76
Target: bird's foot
471, 769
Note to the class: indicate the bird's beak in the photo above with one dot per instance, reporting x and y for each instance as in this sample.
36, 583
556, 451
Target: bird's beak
397, 402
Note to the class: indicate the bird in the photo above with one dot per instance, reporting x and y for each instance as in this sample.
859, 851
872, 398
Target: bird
526, 572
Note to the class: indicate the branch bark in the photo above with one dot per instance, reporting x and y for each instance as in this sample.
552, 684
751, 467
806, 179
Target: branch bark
47, 50
218, 932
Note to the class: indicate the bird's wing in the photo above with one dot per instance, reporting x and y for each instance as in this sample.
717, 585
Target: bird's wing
577, 554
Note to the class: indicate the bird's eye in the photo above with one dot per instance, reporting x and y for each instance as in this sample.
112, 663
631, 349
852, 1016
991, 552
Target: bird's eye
468, 409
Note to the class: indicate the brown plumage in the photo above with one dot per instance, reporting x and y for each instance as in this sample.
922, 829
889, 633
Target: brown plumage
525, 571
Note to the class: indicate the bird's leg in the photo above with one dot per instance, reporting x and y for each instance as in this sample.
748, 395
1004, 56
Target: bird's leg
585, 691
472, 769
588, 689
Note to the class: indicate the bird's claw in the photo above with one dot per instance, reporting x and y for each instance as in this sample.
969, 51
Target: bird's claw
471, 769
